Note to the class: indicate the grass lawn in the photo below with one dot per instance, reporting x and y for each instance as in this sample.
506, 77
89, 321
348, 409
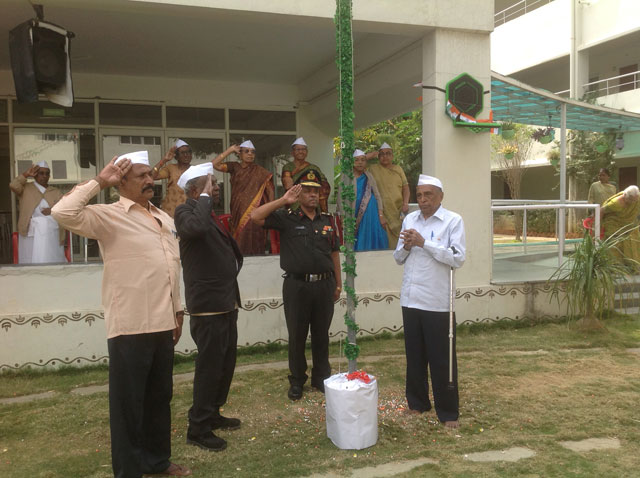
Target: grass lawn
521, 385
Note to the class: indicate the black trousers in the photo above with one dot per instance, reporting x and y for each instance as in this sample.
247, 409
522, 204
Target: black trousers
216, 337
308, 306
426, 340
140, 391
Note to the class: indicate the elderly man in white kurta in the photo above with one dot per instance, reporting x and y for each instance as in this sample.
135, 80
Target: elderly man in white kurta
40, 239
431, 245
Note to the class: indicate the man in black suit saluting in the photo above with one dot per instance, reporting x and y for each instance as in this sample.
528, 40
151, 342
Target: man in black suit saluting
211, 261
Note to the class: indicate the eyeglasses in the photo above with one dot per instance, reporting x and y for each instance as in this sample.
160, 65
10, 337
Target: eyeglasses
185, 152
385, 153
297, 150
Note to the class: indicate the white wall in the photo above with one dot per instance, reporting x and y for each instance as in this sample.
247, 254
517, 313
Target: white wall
472, 14
627, 100
544, 35
457, 156
607, 19
531, 39
50, 315
177, 91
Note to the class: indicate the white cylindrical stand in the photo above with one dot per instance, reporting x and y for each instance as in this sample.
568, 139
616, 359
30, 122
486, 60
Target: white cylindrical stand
352, 412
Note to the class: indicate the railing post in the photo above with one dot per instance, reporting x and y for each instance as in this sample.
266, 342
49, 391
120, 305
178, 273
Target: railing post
492, 243
596, 223
86, 250
524, 230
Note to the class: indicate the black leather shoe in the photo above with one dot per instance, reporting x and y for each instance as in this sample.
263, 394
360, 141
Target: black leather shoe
295, 392
208, 442
225, 423
319, 386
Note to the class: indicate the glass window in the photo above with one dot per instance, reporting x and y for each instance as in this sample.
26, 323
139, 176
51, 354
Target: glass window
262, 120
3, 111
47, 112
272, 152
71, 156
6, 251
206, 118
70, 153
130, 115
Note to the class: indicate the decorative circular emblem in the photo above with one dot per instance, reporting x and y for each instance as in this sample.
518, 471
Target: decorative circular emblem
311, 175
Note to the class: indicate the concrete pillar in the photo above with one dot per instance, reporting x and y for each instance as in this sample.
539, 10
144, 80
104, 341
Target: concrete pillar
457, 156
578, 60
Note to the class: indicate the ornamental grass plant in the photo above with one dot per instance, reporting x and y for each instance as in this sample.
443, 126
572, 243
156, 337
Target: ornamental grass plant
588, 279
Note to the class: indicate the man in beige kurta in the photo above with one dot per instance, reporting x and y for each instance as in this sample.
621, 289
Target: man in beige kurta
394, 190
40, 239
142, 308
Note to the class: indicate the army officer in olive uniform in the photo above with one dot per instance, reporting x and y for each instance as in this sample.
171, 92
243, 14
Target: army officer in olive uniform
309, 255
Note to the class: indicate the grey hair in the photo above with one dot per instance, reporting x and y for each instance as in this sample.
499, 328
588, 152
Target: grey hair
191, 185
631, 192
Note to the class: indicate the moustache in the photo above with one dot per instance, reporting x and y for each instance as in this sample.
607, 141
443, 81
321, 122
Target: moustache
148, 186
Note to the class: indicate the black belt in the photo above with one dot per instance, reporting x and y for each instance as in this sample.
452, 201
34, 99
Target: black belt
309, 277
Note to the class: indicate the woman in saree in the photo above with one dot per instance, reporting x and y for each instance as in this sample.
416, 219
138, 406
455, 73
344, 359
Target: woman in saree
619, 214
370, 220
297, 168
251, 186
602, 189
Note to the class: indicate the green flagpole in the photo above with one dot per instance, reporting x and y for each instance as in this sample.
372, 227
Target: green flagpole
344, 61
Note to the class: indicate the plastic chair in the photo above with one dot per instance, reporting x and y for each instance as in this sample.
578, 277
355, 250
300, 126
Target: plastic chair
225, 218
274, 240
67, 246
14, 242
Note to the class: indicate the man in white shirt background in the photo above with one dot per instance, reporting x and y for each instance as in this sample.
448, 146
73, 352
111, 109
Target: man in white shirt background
40, 238
431, 244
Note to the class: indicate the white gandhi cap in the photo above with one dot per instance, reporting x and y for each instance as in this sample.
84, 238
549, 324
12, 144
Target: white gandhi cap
195, 172
137, 157
425, 180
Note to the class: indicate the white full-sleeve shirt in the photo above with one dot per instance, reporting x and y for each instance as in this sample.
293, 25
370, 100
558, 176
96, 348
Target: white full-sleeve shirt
425, 282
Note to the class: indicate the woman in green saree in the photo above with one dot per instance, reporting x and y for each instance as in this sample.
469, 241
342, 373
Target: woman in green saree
619, 214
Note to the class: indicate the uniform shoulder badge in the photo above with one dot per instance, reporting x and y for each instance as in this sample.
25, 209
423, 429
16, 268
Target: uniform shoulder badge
326, 214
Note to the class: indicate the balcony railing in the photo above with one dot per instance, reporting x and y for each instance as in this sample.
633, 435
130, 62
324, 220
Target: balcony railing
535, 256
517, 10
610, 86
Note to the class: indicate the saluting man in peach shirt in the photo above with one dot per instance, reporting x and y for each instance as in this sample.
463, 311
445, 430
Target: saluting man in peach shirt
143, 309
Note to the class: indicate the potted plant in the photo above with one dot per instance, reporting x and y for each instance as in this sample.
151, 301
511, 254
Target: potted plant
544, 135
508, 130
508, 151
602, 145
589, 278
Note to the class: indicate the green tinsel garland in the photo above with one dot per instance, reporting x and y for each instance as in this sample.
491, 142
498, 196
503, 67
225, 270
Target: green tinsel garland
344, 61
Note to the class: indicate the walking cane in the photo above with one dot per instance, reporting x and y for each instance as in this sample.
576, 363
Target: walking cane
451, 385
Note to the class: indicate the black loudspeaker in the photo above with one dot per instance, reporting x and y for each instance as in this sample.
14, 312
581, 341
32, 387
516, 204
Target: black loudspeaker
49, 57
41, 65
21, 52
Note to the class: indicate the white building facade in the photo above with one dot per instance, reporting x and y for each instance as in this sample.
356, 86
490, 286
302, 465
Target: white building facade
213, 72
574, 48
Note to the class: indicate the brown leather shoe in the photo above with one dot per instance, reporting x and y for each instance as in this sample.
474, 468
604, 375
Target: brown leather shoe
173, 470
